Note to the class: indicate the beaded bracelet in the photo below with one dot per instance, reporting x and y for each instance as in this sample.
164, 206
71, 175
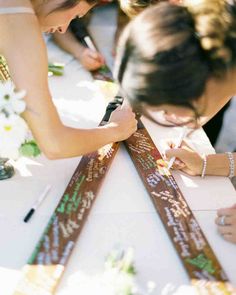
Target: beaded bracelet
204, 167
231, 164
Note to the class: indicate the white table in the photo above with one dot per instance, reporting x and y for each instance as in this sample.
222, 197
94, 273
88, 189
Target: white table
123, 213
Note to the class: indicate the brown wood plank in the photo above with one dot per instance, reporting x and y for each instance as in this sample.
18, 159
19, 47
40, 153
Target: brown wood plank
46, 265
44, 270
198, 258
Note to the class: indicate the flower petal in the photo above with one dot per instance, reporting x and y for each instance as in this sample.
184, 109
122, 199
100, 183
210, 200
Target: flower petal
18, 106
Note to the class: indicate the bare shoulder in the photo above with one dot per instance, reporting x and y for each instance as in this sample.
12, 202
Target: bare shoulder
13, 25
15, 3
26, 55
22, 45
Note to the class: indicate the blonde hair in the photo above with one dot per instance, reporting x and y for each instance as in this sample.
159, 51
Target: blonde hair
133, 7
214, 24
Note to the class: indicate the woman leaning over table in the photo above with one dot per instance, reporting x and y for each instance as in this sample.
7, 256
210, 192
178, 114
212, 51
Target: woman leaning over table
21, 25
134, 7
181, 60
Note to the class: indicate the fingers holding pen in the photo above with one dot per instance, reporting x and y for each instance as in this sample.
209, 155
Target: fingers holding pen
124, 119
91, 60
186, 159
96, 56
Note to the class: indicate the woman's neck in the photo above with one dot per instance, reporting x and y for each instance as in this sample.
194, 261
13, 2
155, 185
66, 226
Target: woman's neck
36, 3
224, 86
218, 92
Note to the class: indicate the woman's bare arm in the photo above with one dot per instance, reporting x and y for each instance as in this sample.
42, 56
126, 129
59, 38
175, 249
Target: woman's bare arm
90, 59
23, 46
69, 43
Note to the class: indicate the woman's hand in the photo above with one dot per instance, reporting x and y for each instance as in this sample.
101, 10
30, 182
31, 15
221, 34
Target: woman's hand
123, 121
90, 59
226, 223
187, 160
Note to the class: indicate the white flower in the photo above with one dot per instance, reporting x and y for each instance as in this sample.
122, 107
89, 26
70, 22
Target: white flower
110, 282
10, 100
13, 131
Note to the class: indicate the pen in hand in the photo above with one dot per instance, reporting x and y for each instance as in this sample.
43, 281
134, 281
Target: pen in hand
178, 144
96, 55
89, 43
37, 203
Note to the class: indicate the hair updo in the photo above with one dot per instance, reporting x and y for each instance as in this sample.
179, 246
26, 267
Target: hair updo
215, 26
133, 7
168, 52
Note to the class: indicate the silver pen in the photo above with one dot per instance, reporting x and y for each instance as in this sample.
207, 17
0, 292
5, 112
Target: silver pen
178, 144
89, 43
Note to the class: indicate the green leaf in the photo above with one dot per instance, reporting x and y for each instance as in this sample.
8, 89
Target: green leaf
56, 65
30, 149
104, 69
57, 69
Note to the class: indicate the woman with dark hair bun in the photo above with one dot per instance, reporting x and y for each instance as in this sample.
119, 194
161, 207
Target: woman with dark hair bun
181, 60
132, 8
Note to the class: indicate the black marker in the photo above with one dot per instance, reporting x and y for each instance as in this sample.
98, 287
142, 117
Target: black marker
37, 203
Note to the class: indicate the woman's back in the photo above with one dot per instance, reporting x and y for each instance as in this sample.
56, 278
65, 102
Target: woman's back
7, 8
14, 7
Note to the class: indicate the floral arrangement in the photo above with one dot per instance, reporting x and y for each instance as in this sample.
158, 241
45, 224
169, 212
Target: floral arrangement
14, 133
118, 278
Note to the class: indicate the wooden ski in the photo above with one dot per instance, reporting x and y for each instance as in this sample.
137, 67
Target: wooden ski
47, 263
197, 256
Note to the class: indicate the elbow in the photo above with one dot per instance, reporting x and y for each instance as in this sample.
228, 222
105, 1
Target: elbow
52, 152
52, 155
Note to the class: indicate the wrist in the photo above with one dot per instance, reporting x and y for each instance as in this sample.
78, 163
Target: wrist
111, 132
217, 164
78, 52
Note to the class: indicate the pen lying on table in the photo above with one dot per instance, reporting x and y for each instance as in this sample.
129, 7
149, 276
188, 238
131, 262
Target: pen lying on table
37, 203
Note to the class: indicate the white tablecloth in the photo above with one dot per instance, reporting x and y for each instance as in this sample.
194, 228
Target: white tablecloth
123, 214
